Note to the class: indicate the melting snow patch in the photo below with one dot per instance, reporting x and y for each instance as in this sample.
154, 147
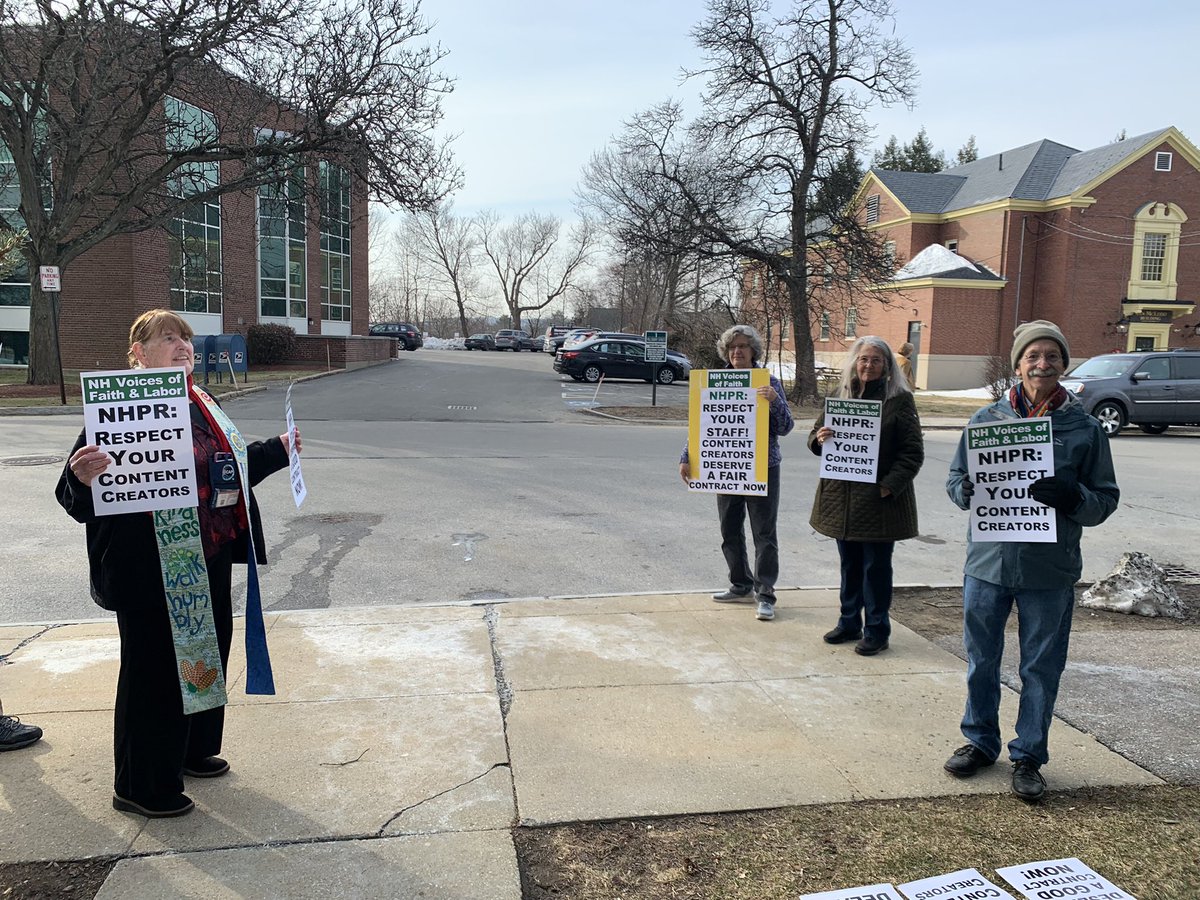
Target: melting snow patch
65, 657
1137, 585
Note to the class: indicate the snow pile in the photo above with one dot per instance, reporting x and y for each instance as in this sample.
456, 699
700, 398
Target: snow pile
1138, 586
934, 260
437, 343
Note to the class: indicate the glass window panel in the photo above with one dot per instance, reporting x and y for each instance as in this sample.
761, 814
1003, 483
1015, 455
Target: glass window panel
14, 295
273, 306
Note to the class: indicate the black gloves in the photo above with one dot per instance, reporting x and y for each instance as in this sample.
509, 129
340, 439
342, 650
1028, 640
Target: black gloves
1059, 491
968, 490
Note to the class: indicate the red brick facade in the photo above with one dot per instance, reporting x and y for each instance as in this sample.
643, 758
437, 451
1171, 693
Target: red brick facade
1065, 259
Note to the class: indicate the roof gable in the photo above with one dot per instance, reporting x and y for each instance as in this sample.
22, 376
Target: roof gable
1041, 171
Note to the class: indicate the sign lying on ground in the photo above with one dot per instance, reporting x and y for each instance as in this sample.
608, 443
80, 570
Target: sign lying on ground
1003, 459
140, 418
965, 884
872, 892
1055, 878
727, 431
852, 454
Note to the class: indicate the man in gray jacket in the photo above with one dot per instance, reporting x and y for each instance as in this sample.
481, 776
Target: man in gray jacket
1038, 577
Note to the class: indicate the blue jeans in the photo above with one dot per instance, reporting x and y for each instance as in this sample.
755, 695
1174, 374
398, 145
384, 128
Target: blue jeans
1044, 632
866, 587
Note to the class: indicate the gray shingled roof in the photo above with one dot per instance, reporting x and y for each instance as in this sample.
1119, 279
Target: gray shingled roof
921, 192
1038, 171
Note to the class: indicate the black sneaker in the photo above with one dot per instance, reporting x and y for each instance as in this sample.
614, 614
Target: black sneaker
1027, 780
966, 761
841, 635
869, 646
14, 735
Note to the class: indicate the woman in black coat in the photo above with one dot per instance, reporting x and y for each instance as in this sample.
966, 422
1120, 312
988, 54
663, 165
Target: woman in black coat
155, 743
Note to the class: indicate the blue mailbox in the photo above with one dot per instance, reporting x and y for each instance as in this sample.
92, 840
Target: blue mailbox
226, 353
200, 356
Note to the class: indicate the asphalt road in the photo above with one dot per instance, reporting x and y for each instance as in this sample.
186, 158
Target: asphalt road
452, 475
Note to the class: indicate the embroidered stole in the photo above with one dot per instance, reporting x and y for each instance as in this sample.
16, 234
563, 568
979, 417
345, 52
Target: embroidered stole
259, 678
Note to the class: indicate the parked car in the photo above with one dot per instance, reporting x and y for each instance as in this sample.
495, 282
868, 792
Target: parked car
406, 333
482, 341
578, 336
618, 358
555, 336
515, 340
1150, 389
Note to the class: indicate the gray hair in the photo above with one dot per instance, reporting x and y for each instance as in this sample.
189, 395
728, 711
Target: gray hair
750, 334
894, 381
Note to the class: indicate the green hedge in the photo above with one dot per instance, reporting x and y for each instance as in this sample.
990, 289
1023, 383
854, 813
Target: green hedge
270, 345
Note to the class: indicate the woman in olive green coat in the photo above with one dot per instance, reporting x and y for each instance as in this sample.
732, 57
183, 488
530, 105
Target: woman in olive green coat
867, 519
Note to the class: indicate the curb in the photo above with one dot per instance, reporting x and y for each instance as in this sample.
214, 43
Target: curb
231, 395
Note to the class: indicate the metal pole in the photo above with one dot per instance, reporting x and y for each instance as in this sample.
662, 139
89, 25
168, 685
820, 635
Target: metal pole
654, 382
62, 386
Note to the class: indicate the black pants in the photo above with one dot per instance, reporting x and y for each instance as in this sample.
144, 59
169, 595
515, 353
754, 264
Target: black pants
731, 511
866, 587
152, 739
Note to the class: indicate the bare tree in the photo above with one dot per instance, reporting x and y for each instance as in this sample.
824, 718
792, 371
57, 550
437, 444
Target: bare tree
99, 148
531, 249
784, 102
450, 243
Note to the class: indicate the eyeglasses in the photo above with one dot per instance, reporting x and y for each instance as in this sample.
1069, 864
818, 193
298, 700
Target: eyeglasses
870, 361
1052, 357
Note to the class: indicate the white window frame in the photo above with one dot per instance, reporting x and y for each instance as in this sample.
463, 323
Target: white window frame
824, 326
851, 323
952, 245
1162, 161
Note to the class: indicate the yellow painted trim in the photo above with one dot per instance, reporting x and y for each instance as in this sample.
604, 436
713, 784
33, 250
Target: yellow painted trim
1178, 310
1160, 333
1170, 225
1007, 205
914, 283
1170, 135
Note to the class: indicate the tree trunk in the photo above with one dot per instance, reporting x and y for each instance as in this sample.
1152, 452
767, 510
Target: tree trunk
43, 351
804, 388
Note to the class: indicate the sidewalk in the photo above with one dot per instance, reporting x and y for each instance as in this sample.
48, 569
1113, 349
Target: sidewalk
405, 742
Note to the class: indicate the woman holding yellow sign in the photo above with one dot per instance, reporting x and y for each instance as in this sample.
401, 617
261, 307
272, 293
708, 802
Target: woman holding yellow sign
168, 572
868, 517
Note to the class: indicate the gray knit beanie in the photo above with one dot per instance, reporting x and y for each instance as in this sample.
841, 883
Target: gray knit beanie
1028, 332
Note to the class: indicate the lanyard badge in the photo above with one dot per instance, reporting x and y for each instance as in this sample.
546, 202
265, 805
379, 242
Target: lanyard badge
223, 478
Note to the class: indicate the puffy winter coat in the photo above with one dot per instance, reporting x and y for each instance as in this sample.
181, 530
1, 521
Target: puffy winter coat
854, 510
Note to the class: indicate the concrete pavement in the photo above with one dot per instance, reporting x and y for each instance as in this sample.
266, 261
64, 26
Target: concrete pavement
404, 743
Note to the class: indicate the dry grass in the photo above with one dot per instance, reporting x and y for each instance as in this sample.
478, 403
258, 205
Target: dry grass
1145, 840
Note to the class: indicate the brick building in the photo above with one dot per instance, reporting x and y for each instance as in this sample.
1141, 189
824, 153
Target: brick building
1097, 241
293, 253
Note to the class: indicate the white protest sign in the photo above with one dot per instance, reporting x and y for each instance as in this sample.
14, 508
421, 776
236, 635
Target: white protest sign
727, 431
140, 418
1056, 878
965, 884
852, 454
873, 892
299, 491
1003, 459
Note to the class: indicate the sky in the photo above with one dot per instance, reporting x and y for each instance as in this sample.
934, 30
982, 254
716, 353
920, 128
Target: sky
540, 86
